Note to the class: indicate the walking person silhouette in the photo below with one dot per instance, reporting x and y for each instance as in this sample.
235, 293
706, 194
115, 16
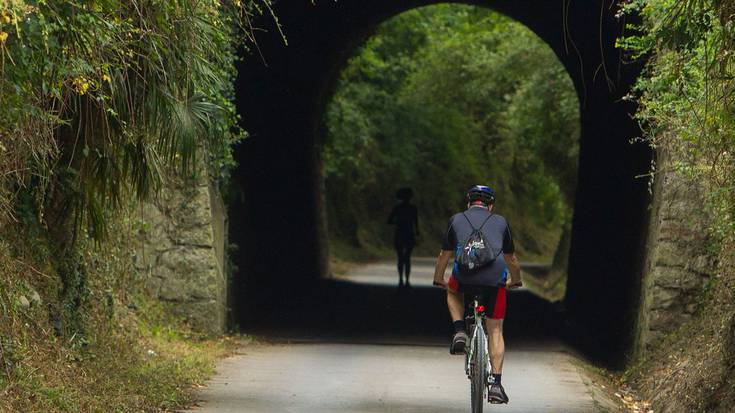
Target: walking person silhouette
406, 221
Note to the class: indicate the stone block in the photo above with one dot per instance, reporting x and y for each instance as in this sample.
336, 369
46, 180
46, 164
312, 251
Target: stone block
200, 235
665, 297
187, 261
193, 208
678, 278
664, 321
205, 315
173, 289
178, 255
671, 255
678, 261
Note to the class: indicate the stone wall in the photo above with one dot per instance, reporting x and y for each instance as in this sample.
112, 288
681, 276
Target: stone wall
182, 251
677, 261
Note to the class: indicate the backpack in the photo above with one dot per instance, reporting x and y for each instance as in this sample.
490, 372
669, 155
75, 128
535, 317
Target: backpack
476, 252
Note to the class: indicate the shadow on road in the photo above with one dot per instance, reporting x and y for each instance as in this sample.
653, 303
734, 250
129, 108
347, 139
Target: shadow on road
339, 311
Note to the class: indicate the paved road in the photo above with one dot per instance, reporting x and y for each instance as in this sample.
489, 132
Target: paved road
323, 378
321, 372
422, 273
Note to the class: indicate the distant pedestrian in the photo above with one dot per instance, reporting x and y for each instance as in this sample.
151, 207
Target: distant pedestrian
405, 218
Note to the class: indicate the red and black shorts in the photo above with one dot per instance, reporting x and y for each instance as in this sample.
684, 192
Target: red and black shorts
493, 297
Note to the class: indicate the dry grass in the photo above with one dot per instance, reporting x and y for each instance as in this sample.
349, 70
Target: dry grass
693, 370
133, 357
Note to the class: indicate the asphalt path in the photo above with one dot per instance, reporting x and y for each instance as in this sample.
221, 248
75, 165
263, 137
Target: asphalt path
364, 346
422, 274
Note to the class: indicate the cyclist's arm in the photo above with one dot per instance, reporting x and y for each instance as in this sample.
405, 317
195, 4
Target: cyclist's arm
511, 260
445, 255
441, 267
514, 268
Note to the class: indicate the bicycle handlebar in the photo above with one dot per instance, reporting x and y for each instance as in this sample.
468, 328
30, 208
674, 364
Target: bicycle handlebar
517, 285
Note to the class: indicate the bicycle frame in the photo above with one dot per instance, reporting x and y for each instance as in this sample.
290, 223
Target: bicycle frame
478, 328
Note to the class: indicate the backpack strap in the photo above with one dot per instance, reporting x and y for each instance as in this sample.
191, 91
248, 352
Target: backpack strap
483, 222
468, 221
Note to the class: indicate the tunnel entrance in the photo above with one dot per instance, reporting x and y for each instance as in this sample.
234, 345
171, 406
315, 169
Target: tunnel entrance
279, 171
437, 99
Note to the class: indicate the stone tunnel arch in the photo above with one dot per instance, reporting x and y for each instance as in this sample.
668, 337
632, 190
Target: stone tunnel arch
282, 97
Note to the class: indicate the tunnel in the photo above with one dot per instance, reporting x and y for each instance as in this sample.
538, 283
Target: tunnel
277, 217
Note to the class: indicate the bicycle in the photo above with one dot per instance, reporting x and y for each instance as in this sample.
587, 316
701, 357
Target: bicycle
477, 356
477, 359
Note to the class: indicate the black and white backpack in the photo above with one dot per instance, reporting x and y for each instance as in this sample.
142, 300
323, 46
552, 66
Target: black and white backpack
476, 252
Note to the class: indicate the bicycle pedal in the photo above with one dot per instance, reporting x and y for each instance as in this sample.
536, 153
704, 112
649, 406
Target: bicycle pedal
495, 400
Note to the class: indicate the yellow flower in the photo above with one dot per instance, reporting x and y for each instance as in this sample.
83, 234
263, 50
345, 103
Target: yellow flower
106, 78
3, 37
81, 84
5, 17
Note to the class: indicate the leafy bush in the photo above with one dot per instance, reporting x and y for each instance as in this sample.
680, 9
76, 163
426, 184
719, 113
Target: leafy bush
686, 97
439, 99
686, 94
100, 96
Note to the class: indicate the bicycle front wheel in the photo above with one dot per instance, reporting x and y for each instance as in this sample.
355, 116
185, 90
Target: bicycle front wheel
478, 372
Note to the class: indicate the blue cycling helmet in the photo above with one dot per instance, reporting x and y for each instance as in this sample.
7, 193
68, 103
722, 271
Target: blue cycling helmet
481, 193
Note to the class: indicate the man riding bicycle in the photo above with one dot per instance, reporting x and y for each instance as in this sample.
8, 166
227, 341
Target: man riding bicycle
490, 280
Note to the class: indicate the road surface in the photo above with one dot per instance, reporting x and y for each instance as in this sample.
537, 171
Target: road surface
320, 371
422, 273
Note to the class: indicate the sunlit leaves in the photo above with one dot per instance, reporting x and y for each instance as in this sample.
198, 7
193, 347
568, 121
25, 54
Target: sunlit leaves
444, 97
687, 93
92, 85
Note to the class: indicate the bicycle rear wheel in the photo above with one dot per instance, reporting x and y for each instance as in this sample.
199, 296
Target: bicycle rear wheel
478, 372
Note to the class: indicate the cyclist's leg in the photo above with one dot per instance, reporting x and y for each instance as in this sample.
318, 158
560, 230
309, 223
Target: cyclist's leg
455, 300
496, 306
497, 344
496, 392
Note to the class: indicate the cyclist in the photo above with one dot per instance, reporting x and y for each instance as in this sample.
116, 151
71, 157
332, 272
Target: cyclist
491, 280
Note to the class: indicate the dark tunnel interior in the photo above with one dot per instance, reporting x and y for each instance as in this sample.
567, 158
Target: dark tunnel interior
278, 221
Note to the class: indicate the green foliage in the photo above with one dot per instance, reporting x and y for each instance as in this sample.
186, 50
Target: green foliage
686, 99
100, 100
441, 98
109, 93
686, 94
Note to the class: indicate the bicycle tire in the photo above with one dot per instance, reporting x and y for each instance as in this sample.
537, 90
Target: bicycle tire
478, 373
